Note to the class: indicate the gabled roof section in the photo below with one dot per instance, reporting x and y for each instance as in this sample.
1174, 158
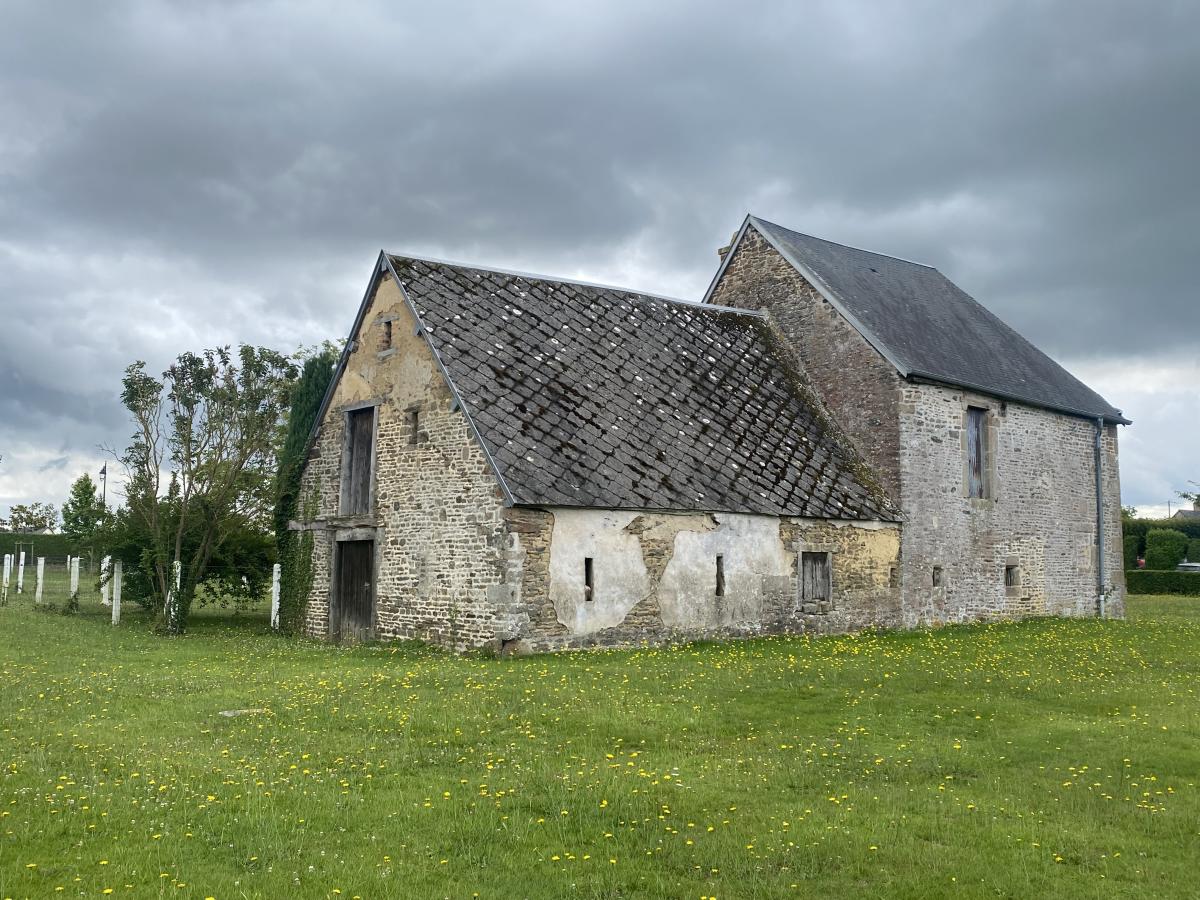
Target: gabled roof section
585, 395
927, 327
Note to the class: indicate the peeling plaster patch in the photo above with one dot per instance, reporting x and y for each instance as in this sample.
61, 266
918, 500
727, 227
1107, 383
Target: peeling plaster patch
621, 577
752, 549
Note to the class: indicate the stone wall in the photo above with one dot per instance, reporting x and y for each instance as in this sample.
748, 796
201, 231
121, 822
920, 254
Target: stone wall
1042, 517
858, 387
1039, 515
442, 544
654, 576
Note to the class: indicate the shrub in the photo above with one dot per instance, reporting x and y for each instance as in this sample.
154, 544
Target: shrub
1130, 543
1165, 548
1146, 581
1139, 527
1193, 551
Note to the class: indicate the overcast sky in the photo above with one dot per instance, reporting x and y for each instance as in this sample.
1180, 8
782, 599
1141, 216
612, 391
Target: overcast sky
178, 176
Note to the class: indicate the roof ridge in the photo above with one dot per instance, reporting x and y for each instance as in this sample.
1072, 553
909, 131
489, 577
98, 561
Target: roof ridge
533, 276
812, 237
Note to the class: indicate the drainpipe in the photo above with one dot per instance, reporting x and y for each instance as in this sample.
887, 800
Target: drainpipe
1099, 519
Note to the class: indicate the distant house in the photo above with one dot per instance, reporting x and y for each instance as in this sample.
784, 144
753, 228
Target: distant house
832, 439
1190, 515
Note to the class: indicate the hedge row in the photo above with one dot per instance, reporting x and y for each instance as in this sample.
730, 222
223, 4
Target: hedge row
1138, 527
1147, 581
52, 546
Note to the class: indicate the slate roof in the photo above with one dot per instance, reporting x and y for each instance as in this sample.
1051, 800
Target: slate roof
929, 328
592, 396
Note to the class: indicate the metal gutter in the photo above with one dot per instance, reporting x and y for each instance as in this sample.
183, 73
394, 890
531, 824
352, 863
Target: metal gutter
1099, 459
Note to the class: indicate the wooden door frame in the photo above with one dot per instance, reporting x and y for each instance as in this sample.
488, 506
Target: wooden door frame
341, 536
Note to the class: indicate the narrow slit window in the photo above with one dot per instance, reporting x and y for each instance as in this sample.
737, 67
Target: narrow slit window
414, 426
976, 417
893, 577
937, 576
589, 578
1012, 576
815, 580
720, 575
385, 340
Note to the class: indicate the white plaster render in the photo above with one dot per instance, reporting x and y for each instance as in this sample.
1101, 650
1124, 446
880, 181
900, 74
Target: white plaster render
751, 549
619, 572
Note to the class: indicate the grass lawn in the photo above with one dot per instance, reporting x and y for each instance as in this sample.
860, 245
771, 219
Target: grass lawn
1034, 759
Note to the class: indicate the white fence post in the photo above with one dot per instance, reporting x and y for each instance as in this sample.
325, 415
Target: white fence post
275, 570
41, 576
4, 583
21, 574
173, 590
75, 578
104, 567
116, 593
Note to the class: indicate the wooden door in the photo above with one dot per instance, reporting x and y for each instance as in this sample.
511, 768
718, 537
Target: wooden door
361, 426
355, 596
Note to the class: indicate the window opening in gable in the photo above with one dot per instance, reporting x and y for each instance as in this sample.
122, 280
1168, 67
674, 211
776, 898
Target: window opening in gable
356, 473
815, 576
385, 338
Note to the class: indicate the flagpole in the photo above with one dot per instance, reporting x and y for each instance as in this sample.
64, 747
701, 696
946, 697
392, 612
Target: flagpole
104, 486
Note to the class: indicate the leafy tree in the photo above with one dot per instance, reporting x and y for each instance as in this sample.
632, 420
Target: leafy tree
32, 517
238, 570
83, 511
1193, 496
202, 460
295, 549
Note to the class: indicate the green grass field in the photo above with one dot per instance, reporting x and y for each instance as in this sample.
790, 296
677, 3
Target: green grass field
1046, 758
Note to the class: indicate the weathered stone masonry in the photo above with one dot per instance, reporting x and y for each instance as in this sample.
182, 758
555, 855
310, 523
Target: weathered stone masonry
1040, 513
858, 387
438, 513
455, 566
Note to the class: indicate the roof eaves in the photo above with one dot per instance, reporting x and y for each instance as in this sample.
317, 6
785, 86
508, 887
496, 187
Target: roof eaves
828, 293
424, 331
1115, 417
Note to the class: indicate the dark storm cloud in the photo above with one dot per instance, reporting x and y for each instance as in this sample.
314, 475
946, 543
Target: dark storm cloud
180, 175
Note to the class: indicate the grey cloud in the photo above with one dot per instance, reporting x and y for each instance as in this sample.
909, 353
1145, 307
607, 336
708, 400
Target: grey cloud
180, 175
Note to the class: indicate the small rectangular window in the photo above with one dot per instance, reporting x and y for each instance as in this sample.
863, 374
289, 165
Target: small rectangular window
893, 577
1012, 576
976, 443
937, 576
720, 575
589, 579
385, 339
815, 580
414, 426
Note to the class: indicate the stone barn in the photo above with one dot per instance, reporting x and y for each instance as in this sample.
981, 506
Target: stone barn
831, 440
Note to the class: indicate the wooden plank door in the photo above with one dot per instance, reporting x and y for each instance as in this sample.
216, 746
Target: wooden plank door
355, 612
